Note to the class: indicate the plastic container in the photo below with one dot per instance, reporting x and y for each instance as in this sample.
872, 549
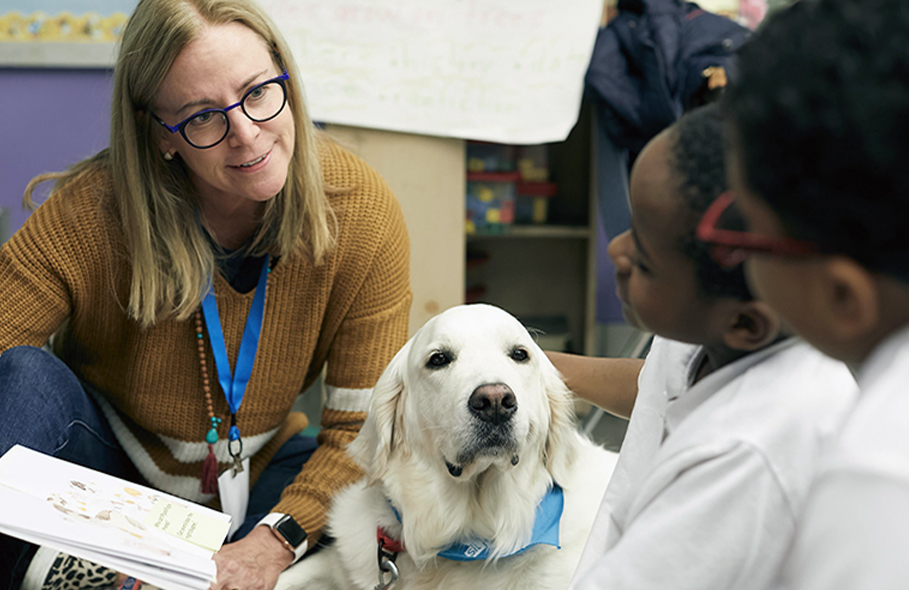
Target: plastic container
532, 201
490, 201
490, 157
533, 163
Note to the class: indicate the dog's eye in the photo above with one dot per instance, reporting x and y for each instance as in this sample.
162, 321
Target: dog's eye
519, 354
438, 360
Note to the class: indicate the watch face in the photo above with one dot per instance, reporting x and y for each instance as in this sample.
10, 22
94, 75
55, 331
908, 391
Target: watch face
290, 530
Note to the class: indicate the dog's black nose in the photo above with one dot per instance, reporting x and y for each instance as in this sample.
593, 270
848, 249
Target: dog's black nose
494, 403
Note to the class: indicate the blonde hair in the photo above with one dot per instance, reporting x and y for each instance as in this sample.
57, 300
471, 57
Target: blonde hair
172, 261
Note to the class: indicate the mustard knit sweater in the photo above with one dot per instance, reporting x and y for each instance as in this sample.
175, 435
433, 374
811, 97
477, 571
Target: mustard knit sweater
68, 267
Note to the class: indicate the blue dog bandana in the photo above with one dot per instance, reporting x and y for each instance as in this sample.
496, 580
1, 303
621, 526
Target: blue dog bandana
545, 531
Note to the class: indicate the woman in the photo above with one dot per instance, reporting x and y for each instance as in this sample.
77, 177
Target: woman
217, 216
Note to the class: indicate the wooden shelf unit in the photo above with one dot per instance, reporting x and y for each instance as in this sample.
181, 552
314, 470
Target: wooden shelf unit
548, 269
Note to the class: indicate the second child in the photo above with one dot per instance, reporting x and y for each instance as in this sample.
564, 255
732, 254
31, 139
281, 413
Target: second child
730, 413
820, 122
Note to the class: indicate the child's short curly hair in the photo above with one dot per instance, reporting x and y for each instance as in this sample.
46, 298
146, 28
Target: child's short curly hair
821, 123
698, 162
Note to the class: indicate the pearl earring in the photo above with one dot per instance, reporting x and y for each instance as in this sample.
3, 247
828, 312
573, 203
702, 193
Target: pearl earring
168, 156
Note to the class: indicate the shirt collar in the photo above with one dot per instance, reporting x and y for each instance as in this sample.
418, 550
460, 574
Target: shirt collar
692, 396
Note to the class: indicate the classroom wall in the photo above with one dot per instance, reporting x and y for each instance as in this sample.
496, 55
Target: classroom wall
49, 119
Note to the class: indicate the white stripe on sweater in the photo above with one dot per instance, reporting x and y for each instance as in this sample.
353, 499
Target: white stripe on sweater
347, 400
185, 452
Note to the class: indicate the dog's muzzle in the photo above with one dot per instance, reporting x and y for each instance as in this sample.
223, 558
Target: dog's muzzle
493, 406
493, 403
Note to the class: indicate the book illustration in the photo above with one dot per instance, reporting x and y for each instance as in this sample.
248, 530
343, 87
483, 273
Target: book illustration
163, 539
109, 507
83, 500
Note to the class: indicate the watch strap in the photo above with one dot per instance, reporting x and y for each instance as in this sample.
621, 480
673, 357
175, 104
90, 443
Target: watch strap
273, 520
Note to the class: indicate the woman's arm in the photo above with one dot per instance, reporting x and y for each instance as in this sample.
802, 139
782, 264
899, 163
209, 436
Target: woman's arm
608, 383
37, 266
366, 323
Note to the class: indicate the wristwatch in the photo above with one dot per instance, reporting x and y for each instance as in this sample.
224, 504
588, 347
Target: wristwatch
286, 530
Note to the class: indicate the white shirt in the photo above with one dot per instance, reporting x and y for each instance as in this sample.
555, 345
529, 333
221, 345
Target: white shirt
711, 475
855, 530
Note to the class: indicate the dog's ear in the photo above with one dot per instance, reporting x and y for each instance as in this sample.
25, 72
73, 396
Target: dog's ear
561, 448
384, 424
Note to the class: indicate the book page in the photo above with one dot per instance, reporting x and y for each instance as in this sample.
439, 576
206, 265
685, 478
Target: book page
103, 512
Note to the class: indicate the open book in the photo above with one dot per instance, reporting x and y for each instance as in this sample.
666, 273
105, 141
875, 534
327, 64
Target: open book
160, 539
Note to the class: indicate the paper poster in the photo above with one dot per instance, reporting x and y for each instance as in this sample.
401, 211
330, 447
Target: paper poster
495, 70
82, 21
61, 33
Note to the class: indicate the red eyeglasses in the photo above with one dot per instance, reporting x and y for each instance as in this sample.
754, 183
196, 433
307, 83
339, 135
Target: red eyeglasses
731, 247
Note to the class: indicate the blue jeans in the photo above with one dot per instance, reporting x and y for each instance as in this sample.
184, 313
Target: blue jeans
44, 406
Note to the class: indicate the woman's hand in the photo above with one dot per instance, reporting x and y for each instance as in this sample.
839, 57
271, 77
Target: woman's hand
252, 563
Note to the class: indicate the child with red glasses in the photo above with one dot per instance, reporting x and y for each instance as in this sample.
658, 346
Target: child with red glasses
820, 154
730, 413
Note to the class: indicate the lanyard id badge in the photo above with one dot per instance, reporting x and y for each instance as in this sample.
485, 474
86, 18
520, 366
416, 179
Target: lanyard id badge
233, 488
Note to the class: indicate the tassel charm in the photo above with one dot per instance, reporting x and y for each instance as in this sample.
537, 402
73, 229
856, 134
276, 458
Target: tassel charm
210, 472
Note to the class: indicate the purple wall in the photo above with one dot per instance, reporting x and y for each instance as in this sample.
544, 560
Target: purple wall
49, 119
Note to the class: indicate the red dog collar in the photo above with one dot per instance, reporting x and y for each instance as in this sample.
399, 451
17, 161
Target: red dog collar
388, 544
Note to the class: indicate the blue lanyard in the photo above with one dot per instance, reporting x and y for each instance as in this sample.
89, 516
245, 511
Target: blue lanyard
234, 386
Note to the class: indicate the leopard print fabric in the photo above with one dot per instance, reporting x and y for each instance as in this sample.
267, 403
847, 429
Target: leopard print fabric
73, 573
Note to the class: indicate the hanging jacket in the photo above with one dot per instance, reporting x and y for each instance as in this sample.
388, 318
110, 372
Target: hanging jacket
648, 65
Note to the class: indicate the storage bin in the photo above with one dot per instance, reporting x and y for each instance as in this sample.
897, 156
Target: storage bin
533, 163
490, 157
490, 201
532, 201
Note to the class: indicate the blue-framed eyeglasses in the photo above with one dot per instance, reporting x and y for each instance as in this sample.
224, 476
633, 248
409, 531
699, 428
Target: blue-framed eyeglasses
208, 128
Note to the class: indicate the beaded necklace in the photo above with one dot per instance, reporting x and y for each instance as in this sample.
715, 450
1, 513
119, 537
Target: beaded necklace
233, 386
210, 465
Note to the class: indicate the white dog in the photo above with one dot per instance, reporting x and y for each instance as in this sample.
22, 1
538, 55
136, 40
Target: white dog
470, 429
